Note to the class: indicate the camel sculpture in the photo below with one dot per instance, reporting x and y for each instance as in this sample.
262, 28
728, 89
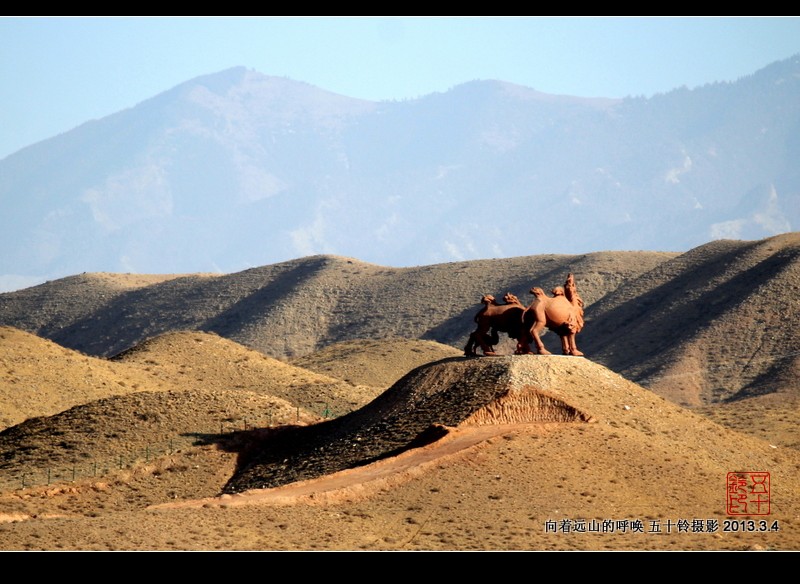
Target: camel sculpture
495, 318
562, 313
558, 314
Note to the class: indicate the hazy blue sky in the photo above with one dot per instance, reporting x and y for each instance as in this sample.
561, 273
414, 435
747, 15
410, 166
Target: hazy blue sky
60, 72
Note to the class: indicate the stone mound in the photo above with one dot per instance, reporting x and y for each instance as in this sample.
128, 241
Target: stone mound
419, 409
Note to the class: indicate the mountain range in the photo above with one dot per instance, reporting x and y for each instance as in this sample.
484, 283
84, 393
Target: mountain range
237, 169
711, 325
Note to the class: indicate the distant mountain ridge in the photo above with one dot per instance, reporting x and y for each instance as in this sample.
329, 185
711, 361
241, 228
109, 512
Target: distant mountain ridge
237, 169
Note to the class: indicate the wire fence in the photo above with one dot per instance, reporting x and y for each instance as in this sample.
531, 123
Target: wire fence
36, 474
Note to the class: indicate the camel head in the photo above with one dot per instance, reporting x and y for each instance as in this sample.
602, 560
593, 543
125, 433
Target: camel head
510, 298
558, 291
487, 299
538, 292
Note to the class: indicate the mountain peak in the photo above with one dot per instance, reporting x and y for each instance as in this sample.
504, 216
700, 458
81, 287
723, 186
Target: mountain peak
237, 168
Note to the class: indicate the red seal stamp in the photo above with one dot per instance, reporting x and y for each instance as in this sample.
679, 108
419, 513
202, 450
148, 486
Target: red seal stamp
748, 493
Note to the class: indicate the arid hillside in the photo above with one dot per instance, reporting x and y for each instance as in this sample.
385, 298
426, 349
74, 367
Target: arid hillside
374, 363
292, 309
40, 378
544, 453
700, 327
711, 325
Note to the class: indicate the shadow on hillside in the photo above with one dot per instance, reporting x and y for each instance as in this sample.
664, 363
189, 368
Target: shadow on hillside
275, 447
657, 321
128, 320
222, 305
247, 443
260, 302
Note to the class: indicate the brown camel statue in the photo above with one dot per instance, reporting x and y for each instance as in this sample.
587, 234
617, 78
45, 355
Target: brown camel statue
495, 318
562, 313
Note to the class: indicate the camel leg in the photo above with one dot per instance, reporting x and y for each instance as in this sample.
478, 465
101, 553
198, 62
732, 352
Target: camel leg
491, 341
565, 346
480, 338
469, 348
523, 346
573, 347
535, 330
